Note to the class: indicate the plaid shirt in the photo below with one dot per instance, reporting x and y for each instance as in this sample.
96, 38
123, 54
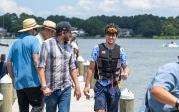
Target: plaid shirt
57, 59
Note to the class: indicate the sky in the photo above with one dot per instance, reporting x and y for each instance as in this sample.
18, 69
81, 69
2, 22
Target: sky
87, 8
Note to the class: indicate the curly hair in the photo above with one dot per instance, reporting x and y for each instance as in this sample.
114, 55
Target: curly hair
111, 28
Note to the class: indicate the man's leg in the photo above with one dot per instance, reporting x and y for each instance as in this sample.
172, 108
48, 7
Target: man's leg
100, 98
51, 102
22, 101
35, 97
113, 99
64, 100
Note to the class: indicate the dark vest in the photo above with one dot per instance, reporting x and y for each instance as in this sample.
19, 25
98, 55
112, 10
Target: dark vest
108, 63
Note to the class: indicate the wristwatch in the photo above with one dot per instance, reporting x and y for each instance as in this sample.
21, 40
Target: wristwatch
44, 87
177, 104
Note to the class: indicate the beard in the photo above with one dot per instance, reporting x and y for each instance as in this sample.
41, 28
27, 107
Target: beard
66, 39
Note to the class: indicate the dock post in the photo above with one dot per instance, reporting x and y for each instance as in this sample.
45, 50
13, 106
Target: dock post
126, 101
6, 89
1, 99
81, 66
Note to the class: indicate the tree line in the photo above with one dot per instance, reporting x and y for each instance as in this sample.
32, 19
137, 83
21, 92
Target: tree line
144, 26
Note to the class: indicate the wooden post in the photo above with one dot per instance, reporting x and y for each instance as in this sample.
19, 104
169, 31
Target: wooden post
1, 99
6, 89
14, 95
81, 68
126, 101
126, 105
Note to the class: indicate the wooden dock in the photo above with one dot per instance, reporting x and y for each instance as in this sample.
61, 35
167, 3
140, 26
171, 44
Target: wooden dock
83, 105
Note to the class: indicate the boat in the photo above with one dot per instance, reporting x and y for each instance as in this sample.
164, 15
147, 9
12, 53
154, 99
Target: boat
2, 44
171, 44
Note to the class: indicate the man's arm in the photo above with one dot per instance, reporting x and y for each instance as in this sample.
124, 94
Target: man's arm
125, 72
35, 60
163, 95
74, 75
89, 75
9, 69
46, 90
41, 70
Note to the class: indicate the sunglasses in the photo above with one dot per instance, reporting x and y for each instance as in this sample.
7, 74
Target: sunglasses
111, 30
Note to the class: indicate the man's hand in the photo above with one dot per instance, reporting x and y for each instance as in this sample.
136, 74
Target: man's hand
47, 91
86, 92
124, 75
77, 92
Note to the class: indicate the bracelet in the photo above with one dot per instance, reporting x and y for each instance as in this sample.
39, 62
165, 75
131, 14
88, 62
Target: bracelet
44, 87
177, 104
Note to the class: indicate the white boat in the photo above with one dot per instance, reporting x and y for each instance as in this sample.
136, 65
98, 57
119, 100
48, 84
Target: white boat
173, 44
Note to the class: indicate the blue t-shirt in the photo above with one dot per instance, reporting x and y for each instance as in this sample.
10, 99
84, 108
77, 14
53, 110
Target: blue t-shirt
167, 77
21, 56
95, 55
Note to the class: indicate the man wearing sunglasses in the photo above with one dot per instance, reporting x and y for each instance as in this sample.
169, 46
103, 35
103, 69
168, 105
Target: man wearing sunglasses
48, 30
109, 65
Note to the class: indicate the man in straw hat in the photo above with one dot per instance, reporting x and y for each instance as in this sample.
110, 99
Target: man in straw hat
109, 65
57, 68
48, 30
22, 63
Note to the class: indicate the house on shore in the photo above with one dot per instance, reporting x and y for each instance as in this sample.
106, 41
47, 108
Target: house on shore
3, 32
124, 32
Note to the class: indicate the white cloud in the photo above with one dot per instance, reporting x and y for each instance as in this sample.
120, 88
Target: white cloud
109, 5
86, 5
11, 6
68, 10
151, 4
88, 8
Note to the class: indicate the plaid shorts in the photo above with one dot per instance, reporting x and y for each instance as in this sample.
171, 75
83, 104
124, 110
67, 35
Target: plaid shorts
106, 97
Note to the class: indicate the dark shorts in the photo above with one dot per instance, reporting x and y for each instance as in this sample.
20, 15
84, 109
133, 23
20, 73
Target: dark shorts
32, 96
106, 97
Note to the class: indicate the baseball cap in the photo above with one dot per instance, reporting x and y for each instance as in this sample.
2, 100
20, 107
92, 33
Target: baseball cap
63, 26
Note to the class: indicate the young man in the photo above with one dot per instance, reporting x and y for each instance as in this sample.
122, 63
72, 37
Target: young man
110, 65
48, 30
163, 92
57, 68
22, 67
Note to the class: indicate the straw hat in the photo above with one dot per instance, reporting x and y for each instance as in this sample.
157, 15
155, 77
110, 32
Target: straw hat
49, 25
29, 24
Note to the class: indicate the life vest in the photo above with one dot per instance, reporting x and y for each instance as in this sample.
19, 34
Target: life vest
108, 64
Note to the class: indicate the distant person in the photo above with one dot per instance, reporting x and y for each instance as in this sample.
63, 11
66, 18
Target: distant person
57, 70
75, 47
163, 92
22, 67
109, 64
3, 66
172, 42
47, 31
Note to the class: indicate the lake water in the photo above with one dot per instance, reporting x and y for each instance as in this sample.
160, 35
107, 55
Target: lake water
144, 58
